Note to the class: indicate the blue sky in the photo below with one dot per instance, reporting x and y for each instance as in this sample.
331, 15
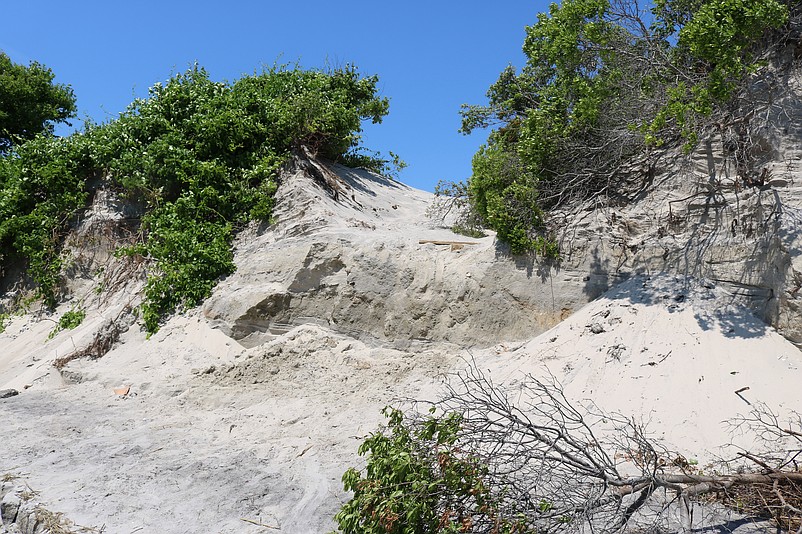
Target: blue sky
430, 56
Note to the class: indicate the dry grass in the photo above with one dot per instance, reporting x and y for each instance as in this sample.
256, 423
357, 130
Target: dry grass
780, 502
8, 477
56, 523
100, 345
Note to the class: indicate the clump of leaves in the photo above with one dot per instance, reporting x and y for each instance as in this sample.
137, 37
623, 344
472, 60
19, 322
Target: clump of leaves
31, 103
70, 320
202, 156
417, 479
468, 231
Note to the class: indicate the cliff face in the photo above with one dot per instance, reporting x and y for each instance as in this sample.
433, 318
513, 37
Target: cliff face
372, 266
708, 215
253, 405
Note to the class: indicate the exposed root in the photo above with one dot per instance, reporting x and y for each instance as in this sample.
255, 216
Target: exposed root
103, 341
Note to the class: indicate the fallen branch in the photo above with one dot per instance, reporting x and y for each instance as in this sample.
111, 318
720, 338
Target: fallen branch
259, 524
541, 448
440, 242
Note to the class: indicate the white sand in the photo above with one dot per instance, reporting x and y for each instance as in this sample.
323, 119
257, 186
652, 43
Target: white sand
671, 353
214, 436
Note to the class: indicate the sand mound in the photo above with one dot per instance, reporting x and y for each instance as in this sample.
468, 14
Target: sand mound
669, 351
316, 358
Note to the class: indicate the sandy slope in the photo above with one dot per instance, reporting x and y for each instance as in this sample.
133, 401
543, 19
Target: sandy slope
201, 449
670, 352
215, 434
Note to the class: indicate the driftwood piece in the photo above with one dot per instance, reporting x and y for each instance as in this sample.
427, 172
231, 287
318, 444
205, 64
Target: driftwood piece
439, 242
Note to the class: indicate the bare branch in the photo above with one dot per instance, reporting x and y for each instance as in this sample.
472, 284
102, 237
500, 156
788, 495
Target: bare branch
568, 468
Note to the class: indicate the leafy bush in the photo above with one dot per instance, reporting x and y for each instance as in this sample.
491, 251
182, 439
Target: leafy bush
203, 157
43, 185
418, 481
604, 81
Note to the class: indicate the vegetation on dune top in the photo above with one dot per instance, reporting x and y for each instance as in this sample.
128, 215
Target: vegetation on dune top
606, 82
201, 157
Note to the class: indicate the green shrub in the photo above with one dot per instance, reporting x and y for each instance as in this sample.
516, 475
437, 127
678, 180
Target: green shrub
603, 82
202, 156
417, 480
43, 185
30, 103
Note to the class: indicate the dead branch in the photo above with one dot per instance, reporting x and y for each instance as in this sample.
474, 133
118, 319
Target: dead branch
570, 469
103, 341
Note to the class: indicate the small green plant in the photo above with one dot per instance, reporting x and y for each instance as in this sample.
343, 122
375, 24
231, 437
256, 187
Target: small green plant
70, 320
374, 162
468, 231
